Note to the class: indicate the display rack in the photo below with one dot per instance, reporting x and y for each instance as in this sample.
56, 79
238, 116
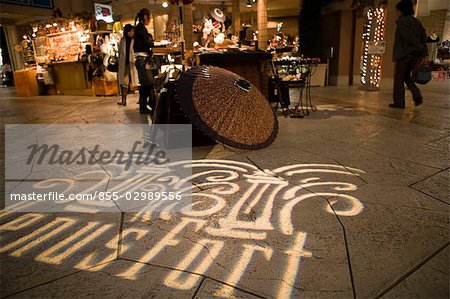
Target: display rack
295, 73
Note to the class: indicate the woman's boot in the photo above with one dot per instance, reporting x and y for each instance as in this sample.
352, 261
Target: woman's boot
124, 92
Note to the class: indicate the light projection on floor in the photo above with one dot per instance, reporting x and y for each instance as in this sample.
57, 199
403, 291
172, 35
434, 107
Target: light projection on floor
236, 213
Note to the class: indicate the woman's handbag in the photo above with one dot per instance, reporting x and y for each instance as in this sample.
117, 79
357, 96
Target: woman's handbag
422, 73
113, 64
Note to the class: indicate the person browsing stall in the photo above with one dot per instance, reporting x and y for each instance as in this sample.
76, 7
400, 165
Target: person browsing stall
143, 44
125, 56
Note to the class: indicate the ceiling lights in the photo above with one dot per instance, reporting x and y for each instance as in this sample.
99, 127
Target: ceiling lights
165, 4
249, 3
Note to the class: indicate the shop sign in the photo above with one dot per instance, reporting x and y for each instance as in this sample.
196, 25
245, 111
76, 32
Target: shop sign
377, 48
103, 12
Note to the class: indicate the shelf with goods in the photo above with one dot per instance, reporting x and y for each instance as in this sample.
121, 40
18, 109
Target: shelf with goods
40, 49
27, 51
60, 39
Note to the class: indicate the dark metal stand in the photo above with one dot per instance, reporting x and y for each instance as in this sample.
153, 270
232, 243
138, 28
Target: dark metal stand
307, 66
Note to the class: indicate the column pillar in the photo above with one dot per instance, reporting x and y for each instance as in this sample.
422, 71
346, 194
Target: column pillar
422, 8
446, 35
261, 11
345, 45
188, 20
12, 39
236, 17
173, 16
388, 64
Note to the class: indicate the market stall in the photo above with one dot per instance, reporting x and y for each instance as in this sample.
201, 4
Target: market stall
71, 56
59, 47
63, 56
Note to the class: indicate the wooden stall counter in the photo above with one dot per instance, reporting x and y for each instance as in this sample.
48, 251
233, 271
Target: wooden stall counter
26, 83
71, 78
166, 50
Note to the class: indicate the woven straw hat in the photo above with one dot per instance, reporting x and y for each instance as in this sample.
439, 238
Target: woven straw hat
227, 108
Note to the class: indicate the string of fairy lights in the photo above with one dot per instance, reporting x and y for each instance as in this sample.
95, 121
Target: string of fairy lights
371, 70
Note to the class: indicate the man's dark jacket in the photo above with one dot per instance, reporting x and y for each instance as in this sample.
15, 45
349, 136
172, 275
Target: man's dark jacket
410, 38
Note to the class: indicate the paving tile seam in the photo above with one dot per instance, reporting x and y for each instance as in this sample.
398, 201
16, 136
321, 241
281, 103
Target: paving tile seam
373, 152
429, 195
207, 249
99, 164
391, 163
196, 184
355, 174
34, 161
405, 160
347, 249
366, 108
291, 285
412, 186
188, 239
344, 235
370, 109
413, 270
199, 287
363, 108
191, 272
430, 176
21, 181
65, 115
106, 190
294, 183
403, 206
120, 235
437, 140
285, 180
56, 279
254, 163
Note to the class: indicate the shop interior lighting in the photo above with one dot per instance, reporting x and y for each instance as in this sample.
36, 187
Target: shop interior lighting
249, 3
165, 4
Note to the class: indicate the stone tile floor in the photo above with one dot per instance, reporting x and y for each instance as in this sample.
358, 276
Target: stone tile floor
352, 201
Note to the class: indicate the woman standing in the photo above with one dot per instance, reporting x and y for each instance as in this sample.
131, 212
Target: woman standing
410, 48
143, 44
125, 52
